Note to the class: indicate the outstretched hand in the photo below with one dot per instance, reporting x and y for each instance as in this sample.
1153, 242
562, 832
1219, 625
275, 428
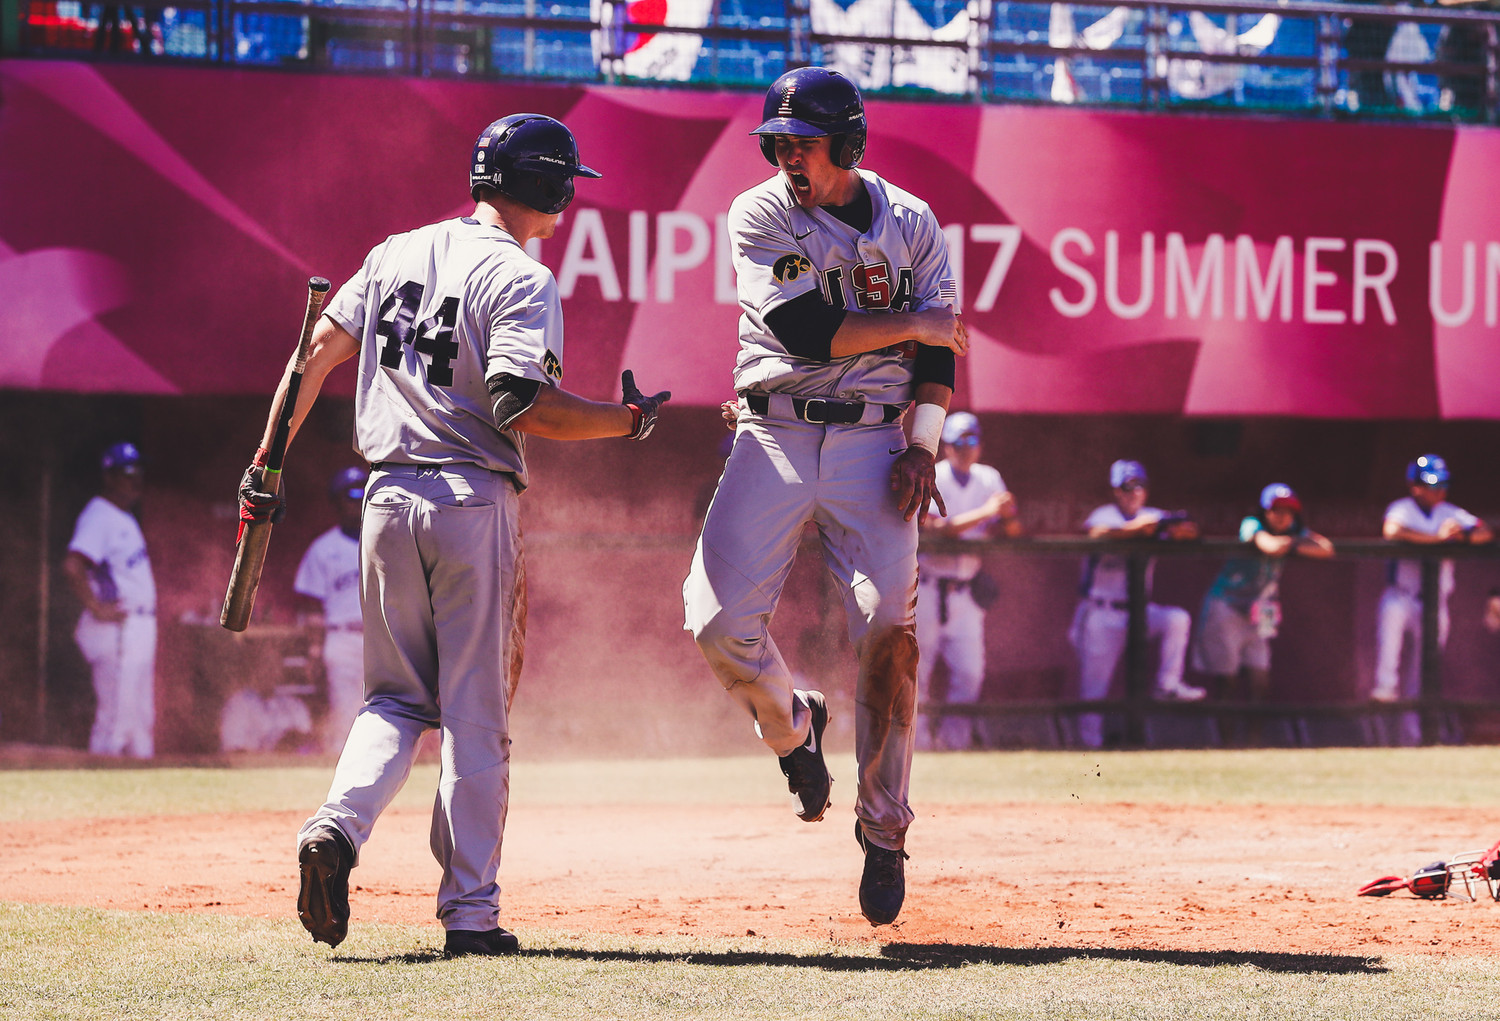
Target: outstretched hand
642, 408
914, 480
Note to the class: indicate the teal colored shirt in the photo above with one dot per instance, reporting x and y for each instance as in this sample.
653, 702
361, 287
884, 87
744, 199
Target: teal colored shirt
1243, 580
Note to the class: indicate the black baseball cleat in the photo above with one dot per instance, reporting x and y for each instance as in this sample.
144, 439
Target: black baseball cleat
489, 943
325, 859
882, 888
805, 771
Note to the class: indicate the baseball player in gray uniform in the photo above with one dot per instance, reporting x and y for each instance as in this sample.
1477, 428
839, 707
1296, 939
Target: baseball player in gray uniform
460, 342
109, 571
846, 298
328, 581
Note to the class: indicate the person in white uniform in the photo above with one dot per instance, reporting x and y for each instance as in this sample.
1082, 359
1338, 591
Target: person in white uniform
1423, 517
459, 337
950, 612
264, 717
846, 318
108, 569
328, 579
1102, 619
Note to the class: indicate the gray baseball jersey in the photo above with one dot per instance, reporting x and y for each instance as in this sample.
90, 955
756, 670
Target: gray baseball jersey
438, 311
782, 251
784, 472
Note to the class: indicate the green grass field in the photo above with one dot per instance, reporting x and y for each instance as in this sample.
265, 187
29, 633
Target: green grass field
76, 963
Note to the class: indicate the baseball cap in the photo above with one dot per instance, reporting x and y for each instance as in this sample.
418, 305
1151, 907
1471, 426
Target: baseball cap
123, 457
959, 424
1279, 494
1123, 471
348, 483
1428, 470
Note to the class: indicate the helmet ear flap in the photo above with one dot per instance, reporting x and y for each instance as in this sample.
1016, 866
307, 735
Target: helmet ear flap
768, 149
848, 149
838, 151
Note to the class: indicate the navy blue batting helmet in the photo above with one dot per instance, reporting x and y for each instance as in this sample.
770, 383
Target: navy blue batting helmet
530, 157
1428, 470
810, 102
348, 484
125, 457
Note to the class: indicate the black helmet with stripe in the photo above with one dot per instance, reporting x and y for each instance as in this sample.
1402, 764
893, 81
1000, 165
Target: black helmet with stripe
810, 102
530, 157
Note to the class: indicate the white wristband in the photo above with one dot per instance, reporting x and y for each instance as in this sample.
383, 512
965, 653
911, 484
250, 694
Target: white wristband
927, 427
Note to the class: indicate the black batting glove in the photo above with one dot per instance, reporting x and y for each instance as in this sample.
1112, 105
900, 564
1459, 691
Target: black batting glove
642, 408
256, 504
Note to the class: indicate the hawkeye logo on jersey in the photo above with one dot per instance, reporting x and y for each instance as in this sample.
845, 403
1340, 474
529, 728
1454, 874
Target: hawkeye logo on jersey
551, 365
790, 267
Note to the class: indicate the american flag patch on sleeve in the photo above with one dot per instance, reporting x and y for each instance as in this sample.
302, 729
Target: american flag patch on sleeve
948, 292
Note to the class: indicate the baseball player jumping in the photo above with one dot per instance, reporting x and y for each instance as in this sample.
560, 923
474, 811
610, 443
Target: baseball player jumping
846, 299
460, 342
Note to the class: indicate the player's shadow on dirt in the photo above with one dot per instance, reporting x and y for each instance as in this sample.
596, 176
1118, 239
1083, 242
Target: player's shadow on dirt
926, 956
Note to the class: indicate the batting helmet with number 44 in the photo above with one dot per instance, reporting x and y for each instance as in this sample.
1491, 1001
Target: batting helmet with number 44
530, 157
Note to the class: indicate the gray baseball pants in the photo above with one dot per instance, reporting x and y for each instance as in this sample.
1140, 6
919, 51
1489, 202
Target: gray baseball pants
781, 474
438, 555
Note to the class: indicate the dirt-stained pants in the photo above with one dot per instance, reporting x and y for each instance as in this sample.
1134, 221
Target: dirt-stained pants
781, 474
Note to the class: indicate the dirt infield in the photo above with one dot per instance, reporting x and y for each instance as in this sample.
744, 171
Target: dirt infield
1249, 880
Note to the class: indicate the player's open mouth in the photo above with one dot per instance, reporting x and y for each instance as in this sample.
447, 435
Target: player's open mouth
799, 181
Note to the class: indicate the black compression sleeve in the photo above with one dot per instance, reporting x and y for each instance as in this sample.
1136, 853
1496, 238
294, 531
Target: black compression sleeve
511, 396
806, 325
935, 365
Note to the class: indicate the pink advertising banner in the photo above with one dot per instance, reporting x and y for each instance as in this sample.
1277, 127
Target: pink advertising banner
157, 225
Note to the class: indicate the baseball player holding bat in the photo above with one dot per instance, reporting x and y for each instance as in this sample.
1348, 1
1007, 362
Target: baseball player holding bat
459, 336
846, 298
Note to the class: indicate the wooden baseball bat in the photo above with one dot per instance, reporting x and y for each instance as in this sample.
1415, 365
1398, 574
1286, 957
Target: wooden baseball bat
250, 556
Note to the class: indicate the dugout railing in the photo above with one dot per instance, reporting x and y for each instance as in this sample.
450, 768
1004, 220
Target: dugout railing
1435, 712
1330, 59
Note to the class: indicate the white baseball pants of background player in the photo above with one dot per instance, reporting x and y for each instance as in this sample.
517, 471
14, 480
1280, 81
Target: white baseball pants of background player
438, 549
122, 658
1399, 628
344, 670
957, 641
781, 474
1100, 635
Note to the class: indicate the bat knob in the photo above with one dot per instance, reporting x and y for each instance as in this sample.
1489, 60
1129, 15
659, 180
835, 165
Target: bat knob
319, 284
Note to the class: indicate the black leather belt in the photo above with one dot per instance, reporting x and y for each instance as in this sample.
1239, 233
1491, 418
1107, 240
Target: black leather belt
822, 410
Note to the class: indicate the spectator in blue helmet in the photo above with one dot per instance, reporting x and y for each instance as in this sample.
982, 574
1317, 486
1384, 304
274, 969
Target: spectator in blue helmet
109, 571
953, 590
1423, 517
1242, 611
1101, 621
